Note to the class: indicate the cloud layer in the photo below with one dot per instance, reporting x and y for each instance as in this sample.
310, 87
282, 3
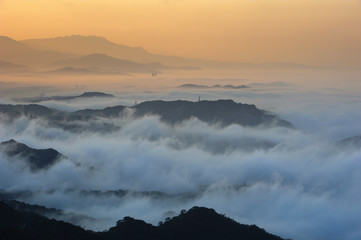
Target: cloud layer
298, 178
296, 183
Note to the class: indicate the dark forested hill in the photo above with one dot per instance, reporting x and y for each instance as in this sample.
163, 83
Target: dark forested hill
223, 112
198, 223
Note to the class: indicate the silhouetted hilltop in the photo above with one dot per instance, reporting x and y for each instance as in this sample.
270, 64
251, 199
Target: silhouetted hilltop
196, 224
205, 223
36, 159
130, 228
224, 112
64, 98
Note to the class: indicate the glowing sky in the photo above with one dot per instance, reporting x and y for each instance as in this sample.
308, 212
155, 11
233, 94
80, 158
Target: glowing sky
324, 32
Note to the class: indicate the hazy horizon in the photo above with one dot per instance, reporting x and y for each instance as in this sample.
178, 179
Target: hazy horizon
309, 32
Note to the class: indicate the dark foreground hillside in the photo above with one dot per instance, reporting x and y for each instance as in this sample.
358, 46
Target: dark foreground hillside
197, 223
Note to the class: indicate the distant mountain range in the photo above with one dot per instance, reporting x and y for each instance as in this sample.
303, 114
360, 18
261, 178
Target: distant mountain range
223, 112
20, 221
95, 55
87, 45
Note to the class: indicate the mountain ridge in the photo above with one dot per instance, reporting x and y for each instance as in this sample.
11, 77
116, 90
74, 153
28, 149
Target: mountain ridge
85, 45
223, 112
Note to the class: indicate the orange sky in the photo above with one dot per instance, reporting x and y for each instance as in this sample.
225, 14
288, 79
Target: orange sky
322, 32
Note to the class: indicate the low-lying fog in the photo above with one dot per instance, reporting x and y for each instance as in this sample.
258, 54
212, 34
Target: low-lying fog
302, 186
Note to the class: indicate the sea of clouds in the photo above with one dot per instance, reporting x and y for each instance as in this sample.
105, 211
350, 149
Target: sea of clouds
297, 183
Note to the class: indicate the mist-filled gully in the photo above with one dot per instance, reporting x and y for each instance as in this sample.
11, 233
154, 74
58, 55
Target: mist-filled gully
294, 182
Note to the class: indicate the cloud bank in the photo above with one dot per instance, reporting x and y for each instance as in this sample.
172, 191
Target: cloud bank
301, 186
